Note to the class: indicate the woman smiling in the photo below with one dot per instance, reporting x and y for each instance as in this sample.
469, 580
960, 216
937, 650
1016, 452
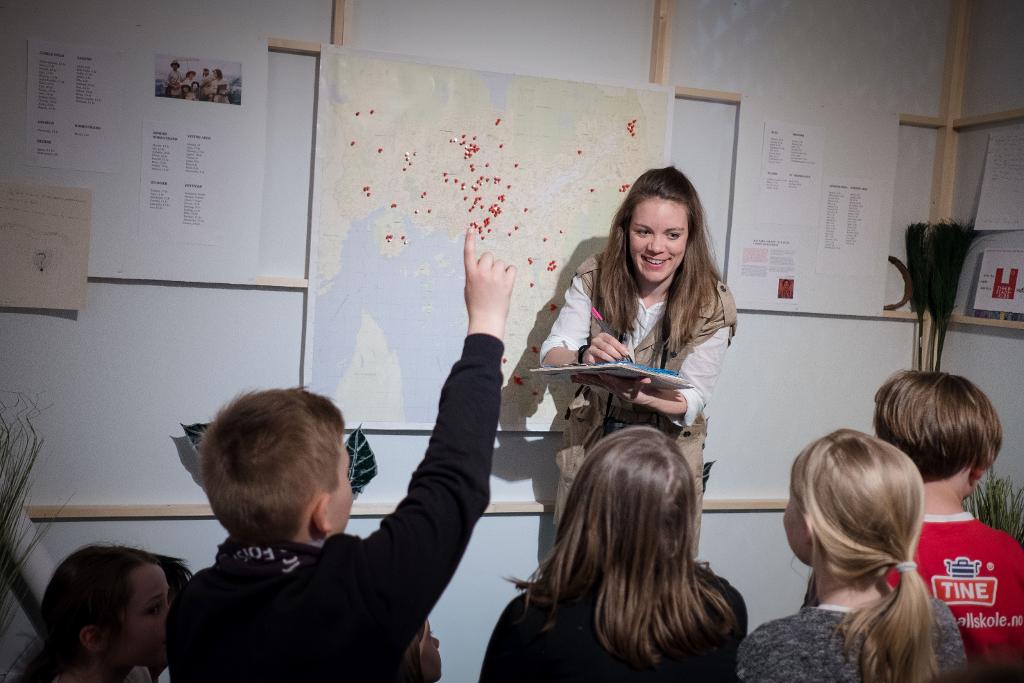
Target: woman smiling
657, 288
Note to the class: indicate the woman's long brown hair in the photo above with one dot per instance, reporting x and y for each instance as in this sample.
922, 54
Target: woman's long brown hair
693, 285
627, 537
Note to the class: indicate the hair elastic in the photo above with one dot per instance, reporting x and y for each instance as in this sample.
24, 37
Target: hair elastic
903, 567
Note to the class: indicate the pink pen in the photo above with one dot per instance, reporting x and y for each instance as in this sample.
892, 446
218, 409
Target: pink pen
605, 327
600, 321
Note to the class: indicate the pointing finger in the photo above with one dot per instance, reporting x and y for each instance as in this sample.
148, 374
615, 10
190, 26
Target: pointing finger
469, 249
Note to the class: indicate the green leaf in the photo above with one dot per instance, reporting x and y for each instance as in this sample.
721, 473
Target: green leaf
362, 463
948, 243
918, 265
20, 445
195, 432
999, 504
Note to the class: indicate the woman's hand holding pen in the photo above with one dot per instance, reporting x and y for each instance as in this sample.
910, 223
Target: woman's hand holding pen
604, 348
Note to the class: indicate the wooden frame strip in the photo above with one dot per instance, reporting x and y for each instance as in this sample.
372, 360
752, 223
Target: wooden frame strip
950, 105
661, 41
293, 47
338, 23
983, 119
50, 513
704, 95
282, 282
918, 121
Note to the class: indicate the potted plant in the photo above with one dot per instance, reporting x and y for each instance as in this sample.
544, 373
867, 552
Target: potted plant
20, 445
999, 504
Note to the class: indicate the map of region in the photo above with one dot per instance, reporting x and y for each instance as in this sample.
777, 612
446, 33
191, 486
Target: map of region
408, 157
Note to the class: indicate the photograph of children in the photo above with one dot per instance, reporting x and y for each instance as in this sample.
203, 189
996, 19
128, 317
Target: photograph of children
785, 288
198, 79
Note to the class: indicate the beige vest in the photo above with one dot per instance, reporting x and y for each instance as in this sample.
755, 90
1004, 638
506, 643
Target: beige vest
591, 405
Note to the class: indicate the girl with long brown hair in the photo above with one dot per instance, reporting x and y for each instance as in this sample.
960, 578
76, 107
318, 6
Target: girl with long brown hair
854, 515
621, 597
658, 290
104, 610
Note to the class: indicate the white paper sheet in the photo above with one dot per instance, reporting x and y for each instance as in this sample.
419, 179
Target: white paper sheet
768, 268
848, 226
73, 109
1001, 284
791, 163
183, 198
44, 246
1001, 205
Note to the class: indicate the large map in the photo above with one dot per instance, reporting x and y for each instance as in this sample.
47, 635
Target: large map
408, 157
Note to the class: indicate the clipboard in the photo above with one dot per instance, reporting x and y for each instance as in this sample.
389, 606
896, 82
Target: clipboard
660, 379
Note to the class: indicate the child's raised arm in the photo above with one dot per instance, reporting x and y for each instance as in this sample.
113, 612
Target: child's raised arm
488, 290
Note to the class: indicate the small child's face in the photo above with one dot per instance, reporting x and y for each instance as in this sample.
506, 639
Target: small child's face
142, 640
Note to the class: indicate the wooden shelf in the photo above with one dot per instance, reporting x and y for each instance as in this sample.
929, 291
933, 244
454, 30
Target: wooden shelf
960, 319
49, 513
900, 315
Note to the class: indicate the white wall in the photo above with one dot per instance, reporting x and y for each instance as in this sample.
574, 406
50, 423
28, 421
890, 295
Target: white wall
117, 377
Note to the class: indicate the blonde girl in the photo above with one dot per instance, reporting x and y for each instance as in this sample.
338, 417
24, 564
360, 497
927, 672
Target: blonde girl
854, 515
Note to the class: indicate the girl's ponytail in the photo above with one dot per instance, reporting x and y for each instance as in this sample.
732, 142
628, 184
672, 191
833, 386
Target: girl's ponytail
895, 632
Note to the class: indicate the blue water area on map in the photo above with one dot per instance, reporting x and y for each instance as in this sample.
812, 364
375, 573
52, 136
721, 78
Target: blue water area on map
497, 85
422, 315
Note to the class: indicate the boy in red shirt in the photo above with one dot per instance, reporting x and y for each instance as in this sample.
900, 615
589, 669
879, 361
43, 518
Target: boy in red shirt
949, 429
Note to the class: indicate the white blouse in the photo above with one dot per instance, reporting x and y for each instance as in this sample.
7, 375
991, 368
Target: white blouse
701, 368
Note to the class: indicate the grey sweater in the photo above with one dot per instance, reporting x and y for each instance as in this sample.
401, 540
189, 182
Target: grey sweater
805, 647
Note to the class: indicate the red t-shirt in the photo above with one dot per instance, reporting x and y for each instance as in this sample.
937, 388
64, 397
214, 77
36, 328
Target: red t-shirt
979, 573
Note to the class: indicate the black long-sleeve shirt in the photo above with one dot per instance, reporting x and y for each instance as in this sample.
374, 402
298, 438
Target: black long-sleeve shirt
347, 611
520, 649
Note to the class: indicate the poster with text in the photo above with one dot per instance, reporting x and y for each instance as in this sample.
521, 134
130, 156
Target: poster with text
74, 97
183, 179
1001, 204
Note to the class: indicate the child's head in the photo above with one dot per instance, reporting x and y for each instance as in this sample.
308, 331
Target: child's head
422, 660
628, 535
943, 422
855, 512
633, 498
856, 505
274, 467
106, 605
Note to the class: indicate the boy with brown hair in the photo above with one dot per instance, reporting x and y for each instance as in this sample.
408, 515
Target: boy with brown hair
951, 431
291, 597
